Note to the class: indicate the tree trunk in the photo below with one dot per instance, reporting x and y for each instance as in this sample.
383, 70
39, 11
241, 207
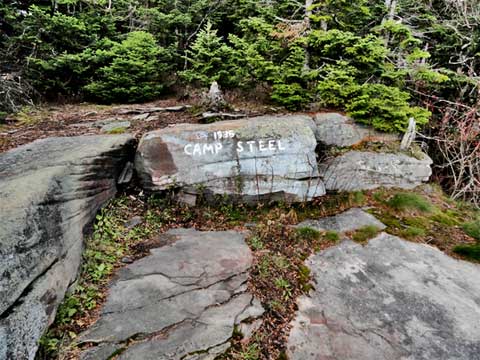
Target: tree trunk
308, 26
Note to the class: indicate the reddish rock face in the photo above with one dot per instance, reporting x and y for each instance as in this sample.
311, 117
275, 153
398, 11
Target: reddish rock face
249, 158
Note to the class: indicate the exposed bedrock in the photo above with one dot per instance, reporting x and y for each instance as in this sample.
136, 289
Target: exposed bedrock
389, 299
180, 302
49, 191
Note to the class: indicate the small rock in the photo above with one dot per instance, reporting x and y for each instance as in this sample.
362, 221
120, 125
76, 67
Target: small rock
127, 174
177, 108
143, 116
357, 170
335, 129
136, 220
350, 220
127, 260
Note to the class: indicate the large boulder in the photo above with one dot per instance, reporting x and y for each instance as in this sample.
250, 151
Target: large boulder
357, 170
249, 158
185, 300
334, 129
49, 191
389, 299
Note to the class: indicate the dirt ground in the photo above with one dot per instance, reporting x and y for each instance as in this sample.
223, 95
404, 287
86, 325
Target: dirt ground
82, 119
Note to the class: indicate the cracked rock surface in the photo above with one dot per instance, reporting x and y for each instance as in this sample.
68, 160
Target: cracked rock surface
390, 299
50, 190
180, 302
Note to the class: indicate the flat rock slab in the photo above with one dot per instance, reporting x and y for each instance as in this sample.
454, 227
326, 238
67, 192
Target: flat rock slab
350, 220
334, 129
357, 170
390, 299
49, 191
248, 158
182, 300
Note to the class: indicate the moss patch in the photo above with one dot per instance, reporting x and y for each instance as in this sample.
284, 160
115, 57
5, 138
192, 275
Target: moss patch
365, 233
472, 229
471, 252
410, 201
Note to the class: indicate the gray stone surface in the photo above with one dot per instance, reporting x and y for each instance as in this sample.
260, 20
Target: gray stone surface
183, 299
356, 170
49, 191
389, 299
350, 220
335, 129
248, 158
109, 125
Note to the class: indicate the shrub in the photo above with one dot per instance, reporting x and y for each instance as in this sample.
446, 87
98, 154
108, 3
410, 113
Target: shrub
209, 59
292, 96
385, 108
135, 72
338, 86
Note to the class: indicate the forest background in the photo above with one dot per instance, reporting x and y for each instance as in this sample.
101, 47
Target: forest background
380, 61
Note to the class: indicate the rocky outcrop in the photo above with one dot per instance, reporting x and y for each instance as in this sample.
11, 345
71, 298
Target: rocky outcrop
389, 299
49, 191
334, 129
350, 220
357, 170
180, 302
251, 159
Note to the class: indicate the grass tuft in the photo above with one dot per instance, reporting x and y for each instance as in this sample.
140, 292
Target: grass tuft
410, 201
308, 233
365, 233
332, 236
471, 252
472, 229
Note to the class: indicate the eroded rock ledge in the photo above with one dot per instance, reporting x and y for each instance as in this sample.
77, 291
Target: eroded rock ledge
389, 299
180, 302
49, 191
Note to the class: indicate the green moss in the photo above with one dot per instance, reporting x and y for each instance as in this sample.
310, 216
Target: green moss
471, 252
410, 201
472, 229
445, 218
418, 222
365, 233
358, 197
256, 243
412, 232
390, 221
119, 130
332, 236
308, 233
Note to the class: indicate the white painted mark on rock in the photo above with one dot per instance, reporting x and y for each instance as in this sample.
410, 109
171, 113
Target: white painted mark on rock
214, 148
